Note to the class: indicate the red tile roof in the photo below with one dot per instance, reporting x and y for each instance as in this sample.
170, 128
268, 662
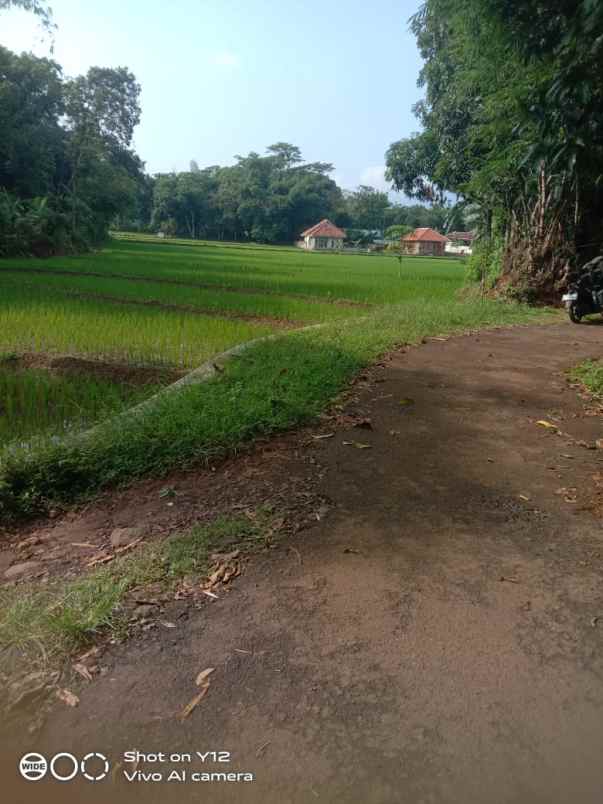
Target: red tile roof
324, 229
426, 235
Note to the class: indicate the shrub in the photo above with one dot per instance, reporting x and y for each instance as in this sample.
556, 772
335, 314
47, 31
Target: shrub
484, 266
43, 227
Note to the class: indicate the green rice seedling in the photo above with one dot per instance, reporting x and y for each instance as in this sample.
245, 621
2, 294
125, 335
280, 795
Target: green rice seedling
191, 298
36, 402
378, 279
35, 319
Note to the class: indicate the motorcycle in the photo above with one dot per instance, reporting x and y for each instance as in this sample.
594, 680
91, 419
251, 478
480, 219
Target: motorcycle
585, 293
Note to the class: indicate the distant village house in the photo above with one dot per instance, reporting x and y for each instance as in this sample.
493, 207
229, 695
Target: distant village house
322, 236
460, 242
424, 242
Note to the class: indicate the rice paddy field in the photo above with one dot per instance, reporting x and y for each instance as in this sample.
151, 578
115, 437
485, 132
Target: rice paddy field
171, 305
82, 338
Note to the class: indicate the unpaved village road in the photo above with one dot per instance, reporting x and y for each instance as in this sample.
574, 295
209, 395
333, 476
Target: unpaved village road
389, 662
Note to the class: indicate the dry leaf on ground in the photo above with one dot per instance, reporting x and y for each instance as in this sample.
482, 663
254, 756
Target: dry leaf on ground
68, 697
128, 546
203, 676
191, 705
83, 671
100, 559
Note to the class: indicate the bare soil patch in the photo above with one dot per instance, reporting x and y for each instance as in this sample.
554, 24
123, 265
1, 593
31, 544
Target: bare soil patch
76, 366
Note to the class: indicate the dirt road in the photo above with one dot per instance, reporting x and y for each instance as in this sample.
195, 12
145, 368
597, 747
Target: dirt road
432, 638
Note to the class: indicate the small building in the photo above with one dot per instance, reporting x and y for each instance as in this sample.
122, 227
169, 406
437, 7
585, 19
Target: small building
424, 242
323, 236
461, 238
460, 242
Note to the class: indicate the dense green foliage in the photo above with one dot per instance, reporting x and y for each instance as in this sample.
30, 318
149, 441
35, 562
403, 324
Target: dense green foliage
513, 123
66, 166
266, 198
270, 199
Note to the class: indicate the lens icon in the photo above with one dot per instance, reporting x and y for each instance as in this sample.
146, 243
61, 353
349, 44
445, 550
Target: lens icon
33, 767
99, 762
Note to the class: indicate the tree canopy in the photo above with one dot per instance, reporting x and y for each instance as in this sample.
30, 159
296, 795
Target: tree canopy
66, 166
512, 122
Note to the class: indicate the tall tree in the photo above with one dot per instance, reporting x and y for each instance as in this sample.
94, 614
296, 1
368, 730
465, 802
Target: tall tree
66, 165
268, 198
31, 138
101, 112
367, 208
513, 123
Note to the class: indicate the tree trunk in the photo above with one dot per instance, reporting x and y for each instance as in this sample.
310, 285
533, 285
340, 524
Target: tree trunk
539, 242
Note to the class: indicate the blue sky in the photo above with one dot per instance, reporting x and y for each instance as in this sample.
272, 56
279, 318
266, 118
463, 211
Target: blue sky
225, 77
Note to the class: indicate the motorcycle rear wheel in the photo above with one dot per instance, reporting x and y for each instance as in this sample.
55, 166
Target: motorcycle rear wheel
575, 313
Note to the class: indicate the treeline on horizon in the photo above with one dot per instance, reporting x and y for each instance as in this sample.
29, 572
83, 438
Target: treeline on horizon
68, 173
271, 199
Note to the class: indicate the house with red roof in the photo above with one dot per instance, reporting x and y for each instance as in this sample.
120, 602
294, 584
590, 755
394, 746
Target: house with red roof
323, 236
424, 242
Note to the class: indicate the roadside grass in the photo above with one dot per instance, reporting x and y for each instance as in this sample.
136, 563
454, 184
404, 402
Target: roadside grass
44, 624
590, 375
33, 402
271, 387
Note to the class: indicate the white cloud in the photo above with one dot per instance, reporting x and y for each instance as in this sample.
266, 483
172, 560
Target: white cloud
225, 58
375, 177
